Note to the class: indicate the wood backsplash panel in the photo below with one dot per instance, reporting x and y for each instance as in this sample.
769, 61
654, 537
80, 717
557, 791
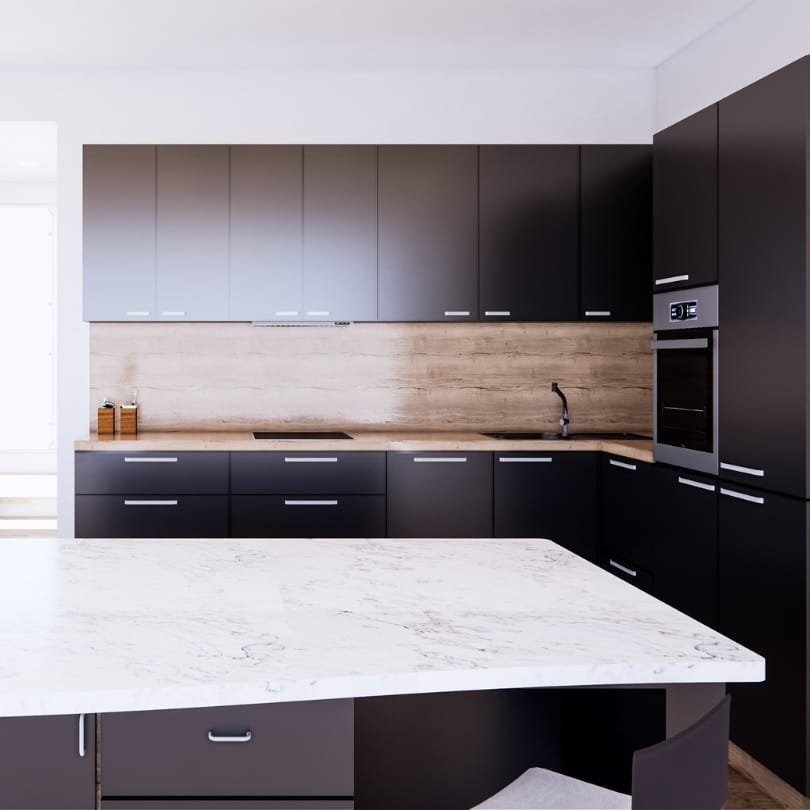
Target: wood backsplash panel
207, 376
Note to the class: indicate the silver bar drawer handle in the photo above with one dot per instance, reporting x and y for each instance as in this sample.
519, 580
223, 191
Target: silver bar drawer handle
230, 738
150, 460
440, 459
671, 279
318, 313
687, 343
287, 313
739, 469
82, 742
597, 313
138, 313
525, 460
456, 313
623, 464
173, 313
292, 502
697, 484
742, 496
496, 313
150, 503
310, 460
628, 571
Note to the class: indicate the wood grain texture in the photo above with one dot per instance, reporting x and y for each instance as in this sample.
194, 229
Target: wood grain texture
418, 376
784, 794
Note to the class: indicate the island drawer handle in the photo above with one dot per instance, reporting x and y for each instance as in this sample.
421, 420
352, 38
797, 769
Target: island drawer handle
597, 313
498, 313
82, 743
697, 484
671, 279
153, 460
310, 460
128, 502
457, 313
296, 502
525, 460
628, 571
623, 464
229, 738
739, 469
439, 459
742, 496
137, 313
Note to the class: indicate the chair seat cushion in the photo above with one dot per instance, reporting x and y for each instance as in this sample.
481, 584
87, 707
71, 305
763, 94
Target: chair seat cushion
540, 789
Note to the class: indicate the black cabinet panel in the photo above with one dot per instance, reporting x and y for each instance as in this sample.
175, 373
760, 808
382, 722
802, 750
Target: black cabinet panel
227, 804
763, 262
686, 542
551, 495
308, 516
340, 233
529, 199
41, 765
428, 227
165, 515
616, 233
316, 473
295, 749
440, 495
763, 605
685, 202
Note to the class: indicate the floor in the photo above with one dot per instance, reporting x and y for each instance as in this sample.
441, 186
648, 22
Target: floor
743, 793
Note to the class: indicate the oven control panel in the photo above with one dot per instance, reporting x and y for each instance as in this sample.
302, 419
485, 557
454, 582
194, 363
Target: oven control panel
683, 311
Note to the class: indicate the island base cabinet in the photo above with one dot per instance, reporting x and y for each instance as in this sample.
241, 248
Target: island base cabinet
48, 762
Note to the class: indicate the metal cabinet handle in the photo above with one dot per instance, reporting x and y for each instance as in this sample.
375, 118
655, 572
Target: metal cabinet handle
310, 460
137, 313
439, 459
82, 742
525, 460
287, 313
496, 313
456, 313
230, 738
628, 571
746, 470
173, 313
128, 502
597, 313
318, 313
671, 279
697, 484
742, 496
297, 502
686, 343
152, 460
623, 464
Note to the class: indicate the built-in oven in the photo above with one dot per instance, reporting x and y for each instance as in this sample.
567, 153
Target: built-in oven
685, 378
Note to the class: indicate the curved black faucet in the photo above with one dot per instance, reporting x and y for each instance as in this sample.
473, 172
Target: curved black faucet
564, 418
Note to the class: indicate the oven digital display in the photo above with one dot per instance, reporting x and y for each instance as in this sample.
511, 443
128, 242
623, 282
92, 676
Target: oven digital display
683, 311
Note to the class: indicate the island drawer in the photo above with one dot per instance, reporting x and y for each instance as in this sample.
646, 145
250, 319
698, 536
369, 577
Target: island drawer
309, 473
273, 750
170, 515
152, 473
308, 516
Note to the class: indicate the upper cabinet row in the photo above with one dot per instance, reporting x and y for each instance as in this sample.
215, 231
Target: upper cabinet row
364, 233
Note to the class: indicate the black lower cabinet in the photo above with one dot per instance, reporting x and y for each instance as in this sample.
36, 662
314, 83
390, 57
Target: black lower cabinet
763, 605
227, 804
685, 530
550, 495
440, 494
48, 762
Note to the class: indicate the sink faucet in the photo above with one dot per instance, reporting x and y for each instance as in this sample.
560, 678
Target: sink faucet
564, 417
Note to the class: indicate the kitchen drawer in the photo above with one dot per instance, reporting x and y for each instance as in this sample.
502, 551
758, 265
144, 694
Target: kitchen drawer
630, 572
103, 472
308, 516
169, 515
294, 749
308, 473
227, 804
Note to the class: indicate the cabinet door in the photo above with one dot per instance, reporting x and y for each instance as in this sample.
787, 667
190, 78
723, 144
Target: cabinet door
551, 495
626, 517
686, 542
616, 233
266, 231
48, 762
529, 209
763, 400
685, 202
340, 233
119, 233
763, 593
428, 233
440, 495
192, 233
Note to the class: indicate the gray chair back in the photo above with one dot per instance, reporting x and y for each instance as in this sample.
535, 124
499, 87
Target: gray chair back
688, 771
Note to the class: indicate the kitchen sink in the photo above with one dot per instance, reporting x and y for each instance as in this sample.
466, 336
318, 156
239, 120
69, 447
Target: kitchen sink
300, 434
557, 436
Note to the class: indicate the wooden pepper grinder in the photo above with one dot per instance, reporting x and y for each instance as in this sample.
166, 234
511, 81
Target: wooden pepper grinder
129, 417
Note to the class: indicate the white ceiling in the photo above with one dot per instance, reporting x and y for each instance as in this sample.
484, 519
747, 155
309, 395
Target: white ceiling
27, 152
352, 33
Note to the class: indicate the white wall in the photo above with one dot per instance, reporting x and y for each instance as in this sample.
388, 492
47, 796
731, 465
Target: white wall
578, 106
762, 37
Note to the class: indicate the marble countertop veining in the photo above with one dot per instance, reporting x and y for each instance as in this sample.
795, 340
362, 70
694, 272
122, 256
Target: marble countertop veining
115, 625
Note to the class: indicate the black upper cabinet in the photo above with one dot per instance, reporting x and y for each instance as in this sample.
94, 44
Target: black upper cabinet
428, 227
685, 158
529, 199
616, 232
340, 233
763, 399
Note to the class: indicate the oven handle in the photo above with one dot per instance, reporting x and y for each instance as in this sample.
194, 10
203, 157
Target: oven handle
687, 343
